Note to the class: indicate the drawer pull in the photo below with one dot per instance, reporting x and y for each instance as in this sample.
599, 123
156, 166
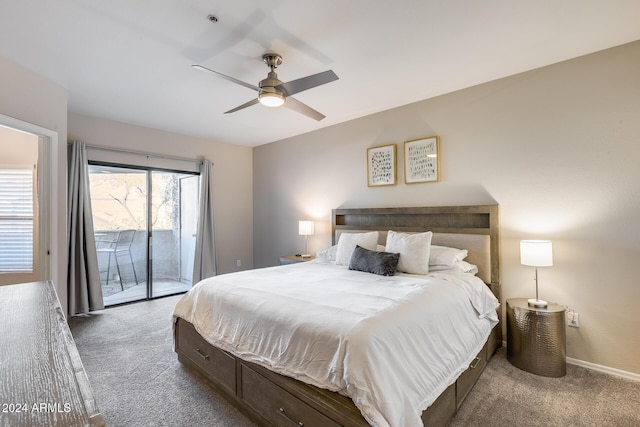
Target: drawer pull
475, 363
281, 412
201, 354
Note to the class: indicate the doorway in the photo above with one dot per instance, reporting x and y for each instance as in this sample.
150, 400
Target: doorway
143, 220
19, 215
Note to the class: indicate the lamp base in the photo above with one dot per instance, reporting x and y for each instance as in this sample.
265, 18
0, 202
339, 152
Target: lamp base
538, 303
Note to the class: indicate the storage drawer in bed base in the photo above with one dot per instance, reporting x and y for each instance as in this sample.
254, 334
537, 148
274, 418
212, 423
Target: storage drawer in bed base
469, 377
275, 404
217, 365
271, 399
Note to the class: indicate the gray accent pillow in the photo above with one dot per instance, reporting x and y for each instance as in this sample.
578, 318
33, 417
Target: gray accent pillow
382, 263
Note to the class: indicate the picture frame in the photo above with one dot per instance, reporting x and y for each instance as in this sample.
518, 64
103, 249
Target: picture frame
381, 165
422, 160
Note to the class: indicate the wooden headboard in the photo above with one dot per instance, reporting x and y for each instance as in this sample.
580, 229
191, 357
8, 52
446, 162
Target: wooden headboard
475, 228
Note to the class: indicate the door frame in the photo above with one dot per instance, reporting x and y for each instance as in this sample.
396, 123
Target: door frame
149, 223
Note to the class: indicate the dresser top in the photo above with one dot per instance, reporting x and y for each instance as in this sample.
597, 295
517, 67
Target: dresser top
43, 380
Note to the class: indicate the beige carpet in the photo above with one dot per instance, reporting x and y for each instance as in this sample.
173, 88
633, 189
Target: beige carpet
507, 396
138, 381
135, 374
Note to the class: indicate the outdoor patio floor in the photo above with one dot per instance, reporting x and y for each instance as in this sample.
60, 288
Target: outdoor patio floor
139, 292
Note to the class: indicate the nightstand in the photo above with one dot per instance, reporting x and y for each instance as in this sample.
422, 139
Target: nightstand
293, 259
536, 338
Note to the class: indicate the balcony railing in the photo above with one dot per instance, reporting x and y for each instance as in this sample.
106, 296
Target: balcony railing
123, 265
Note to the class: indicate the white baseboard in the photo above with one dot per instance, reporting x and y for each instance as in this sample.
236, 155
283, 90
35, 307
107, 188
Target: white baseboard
605, 369
600, 368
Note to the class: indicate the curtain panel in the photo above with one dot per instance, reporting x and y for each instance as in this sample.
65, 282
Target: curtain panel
84, 287
204, 264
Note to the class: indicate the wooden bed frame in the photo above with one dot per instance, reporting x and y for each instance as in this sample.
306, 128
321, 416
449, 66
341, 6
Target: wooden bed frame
271, 399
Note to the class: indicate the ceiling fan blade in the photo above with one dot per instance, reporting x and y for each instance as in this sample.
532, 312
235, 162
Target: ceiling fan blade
299, 107
224, 76
243, 106
295, 86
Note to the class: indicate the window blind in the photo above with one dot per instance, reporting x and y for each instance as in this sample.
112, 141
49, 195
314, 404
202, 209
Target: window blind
16, 219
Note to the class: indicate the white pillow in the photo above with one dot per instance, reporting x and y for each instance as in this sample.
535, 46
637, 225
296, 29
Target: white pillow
443, 255
414, 250
348, 242
458, 267
328, 254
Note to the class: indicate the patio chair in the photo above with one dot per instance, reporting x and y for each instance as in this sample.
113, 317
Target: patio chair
120, 245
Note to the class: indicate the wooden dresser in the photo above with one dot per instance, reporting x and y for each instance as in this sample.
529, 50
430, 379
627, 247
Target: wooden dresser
42, 380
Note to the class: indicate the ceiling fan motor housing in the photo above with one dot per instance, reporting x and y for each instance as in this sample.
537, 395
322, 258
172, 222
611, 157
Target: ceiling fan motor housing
269, 94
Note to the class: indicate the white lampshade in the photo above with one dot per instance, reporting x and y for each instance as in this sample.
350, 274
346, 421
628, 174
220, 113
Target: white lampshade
536, 253
305, 228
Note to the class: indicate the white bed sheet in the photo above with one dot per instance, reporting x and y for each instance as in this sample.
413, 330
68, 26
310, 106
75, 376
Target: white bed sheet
392, 344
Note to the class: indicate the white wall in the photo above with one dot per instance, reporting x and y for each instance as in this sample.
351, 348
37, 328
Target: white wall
557, 148
33, 99
232, 177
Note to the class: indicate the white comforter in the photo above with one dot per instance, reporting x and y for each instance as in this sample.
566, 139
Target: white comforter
392, 344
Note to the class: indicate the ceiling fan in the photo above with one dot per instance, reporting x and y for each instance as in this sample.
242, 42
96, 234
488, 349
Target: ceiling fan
274, 93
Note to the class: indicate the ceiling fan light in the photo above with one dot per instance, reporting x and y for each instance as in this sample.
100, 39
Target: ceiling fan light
271, 99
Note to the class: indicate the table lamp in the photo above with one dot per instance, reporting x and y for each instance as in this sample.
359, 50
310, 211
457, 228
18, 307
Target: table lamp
536, 253
305, 228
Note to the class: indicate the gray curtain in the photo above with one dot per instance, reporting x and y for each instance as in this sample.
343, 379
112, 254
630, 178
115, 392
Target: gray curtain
204, 264
83, 277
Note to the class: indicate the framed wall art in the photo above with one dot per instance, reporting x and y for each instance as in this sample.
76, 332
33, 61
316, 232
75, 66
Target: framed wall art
422, 160
381, 165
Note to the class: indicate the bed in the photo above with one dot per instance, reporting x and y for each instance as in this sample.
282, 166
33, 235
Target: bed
311, 370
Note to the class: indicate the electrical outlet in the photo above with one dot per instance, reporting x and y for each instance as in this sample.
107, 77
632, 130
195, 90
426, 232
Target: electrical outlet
239, 263
573, 319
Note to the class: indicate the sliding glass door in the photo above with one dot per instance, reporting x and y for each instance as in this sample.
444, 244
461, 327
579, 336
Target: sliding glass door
142, 221
174, 215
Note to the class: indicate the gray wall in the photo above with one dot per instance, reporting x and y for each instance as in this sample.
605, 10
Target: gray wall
557, 148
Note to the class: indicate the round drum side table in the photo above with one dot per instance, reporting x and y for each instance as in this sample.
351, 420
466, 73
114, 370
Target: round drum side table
536, 338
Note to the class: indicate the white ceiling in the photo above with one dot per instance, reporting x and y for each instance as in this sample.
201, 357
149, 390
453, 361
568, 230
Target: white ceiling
130, 61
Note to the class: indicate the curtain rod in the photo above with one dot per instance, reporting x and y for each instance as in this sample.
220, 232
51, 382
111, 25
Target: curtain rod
139, 153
